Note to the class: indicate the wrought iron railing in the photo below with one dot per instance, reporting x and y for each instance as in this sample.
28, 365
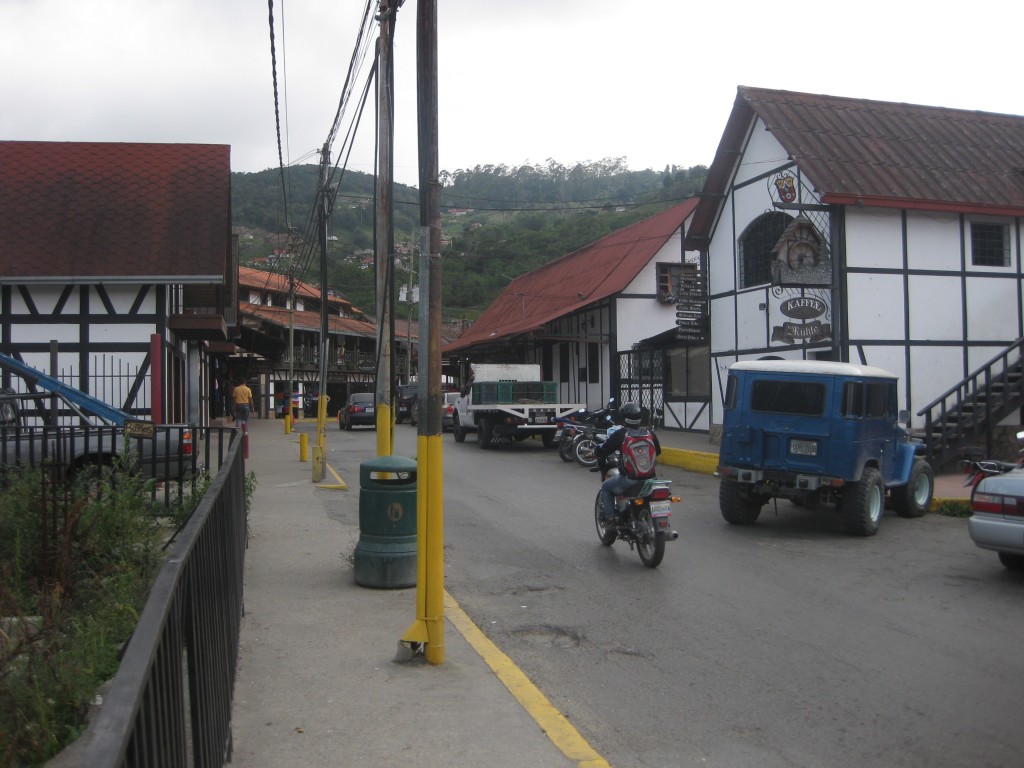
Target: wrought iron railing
170, 702
969, 411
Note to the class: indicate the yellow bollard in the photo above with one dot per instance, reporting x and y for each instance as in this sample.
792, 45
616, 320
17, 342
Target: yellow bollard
318, 464
303, 447
287, 423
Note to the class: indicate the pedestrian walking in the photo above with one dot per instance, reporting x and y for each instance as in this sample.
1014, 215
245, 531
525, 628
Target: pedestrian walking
242, 397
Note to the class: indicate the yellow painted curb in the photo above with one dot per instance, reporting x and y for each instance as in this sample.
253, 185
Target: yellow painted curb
552, 722
692, 461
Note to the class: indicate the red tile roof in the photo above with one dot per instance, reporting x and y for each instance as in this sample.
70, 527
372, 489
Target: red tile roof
881, 153
590, 274
153, 212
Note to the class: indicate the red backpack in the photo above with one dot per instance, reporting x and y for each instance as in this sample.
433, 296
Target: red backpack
638, 453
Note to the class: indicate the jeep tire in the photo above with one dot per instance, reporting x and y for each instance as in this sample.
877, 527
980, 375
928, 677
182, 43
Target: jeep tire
863, 503
914, 498
738, 505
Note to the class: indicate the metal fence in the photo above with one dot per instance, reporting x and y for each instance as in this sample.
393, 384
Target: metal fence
170, 702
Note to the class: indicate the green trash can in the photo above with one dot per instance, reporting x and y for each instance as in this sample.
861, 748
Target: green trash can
385, 556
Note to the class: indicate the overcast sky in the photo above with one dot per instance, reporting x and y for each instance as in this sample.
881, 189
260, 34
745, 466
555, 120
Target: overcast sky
520, 81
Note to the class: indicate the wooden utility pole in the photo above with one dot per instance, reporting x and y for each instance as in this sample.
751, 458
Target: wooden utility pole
385, 235
320, 448
427, 631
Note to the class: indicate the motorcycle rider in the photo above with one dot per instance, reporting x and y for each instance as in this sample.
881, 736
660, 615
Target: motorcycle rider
618, 485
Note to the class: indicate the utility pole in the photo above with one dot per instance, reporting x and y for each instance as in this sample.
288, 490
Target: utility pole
427, 631
320, 448
385, 235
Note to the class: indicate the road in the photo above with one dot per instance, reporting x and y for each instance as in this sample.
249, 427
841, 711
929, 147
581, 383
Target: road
787, 643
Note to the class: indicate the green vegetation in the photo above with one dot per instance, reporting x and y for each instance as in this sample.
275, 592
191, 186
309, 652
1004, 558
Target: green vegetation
952, 507
76, 563
498, 222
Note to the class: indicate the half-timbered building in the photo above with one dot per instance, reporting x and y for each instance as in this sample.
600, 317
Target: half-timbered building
116, 269
625, 316
880, 233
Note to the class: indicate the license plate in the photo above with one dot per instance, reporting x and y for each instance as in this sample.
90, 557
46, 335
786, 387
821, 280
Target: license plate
661, 508
541, 420
558, 433
369, 409
803, 447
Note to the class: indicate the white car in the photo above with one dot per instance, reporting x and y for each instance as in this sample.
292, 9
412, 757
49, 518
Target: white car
998, 519
448, 410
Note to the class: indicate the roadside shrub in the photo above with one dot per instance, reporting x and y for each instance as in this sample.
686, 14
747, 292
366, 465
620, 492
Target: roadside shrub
77, 561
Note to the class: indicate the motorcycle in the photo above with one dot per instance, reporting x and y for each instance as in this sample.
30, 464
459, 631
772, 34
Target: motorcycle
977, 470
643, 518
584, 446
568, 429
566, 436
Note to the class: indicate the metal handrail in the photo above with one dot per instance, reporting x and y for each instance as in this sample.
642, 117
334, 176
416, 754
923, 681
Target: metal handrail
170, 702
974, 405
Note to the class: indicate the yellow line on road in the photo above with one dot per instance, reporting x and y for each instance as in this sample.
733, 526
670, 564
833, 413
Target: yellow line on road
341, 485
551, 721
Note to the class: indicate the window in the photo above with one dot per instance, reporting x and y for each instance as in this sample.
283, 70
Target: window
755, 248
990, 244
872, 400
594, 363
730, 393
689, 372
798, 398
668, 283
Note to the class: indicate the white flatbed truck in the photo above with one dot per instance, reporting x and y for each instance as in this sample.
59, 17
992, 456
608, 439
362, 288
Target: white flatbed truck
507, 403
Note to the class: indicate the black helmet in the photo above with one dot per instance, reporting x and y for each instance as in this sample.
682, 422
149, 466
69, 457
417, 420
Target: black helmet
630, 414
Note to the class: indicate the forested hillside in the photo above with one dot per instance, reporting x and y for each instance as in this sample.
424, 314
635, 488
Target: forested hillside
497, 222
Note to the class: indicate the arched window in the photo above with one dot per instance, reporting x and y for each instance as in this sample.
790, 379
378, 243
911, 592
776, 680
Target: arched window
755, 248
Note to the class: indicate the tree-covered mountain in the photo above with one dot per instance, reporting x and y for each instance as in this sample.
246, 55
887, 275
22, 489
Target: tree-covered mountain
497, 222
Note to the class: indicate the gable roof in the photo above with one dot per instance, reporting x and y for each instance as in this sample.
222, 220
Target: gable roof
76, 211
310, 321
275, 282
878, 153
583, 277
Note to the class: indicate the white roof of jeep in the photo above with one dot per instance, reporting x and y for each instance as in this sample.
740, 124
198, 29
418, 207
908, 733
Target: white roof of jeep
819, 367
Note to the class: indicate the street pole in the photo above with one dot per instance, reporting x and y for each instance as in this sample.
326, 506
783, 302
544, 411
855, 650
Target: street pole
320, 449
385, 228
427, 630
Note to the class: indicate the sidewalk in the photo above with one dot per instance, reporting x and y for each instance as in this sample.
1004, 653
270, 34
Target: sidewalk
318, 683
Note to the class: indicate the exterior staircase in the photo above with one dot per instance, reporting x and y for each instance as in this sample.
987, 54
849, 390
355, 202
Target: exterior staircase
967, 414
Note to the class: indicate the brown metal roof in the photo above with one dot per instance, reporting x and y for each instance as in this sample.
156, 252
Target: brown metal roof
880, 153
588, 275
310, 321
275, 282
91, 211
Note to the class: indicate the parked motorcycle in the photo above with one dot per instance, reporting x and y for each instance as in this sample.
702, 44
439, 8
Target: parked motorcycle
567, 434
584, 446
643, 518
568, 429
977, 470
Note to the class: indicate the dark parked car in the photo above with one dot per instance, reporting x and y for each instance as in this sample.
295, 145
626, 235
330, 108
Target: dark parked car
359, 410
998, 520
407, 403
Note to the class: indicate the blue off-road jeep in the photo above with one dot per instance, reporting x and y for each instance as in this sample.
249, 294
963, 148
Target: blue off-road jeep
819, 433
